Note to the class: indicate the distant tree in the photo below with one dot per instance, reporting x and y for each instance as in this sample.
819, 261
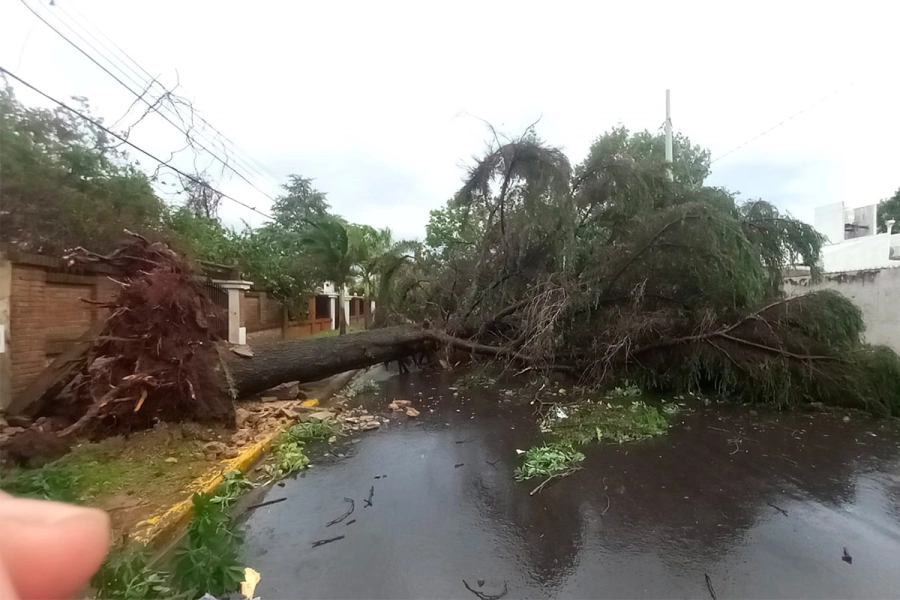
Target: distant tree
300, 203
201, 199
646, 152
65, 184
889, 208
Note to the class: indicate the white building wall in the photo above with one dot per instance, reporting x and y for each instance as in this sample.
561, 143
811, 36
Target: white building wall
875, 291
870, 252
829, 221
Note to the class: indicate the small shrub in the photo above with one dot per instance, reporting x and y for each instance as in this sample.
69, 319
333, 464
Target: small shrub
126, 575
547, 460
287, 458
209, 561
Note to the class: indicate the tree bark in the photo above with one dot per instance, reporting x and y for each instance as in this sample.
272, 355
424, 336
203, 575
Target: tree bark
316, 358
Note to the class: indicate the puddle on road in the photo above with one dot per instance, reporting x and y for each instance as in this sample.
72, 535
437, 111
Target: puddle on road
761, 503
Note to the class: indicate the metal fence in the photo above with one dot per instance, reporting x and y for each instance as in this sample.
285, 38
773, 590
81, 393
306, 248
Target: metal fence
219, 298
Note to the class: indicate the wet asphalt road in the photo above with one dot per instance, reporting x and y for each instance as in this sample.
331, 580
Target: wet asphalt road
764, 517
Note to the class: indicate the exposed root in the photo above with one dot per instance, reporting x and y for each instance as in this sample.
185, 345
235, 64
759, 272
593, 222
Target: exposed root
154, 358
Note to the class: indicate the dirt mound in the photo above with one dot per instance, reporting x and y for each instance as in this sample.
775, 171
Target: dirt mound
155, 358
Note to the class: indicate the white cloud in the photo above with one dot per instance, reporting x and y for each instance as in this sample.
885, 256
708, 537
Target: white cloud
370, 99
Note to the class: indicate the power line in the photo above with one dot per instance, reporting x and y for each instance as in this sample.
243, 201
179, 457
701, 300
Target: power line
777, 125
131, 144
246, 163
140, 96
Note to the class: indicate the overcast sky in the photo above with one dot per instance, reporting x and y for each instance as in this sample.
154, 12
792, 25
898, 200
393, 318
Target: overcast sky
374, 99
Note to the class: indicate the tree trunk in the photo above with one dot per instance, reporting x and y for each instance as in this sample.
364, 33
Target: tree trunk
312, 359
367, 305
342, 318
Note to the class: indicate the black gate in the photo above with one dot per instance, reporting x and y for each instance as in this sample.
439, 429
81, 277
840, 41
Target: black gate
218, 320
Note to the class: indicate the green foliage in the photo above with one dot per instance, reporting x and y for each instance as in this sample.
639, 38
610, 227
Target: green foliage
601, 421
474, 379
878, 380
209, 561
53, 481
360, 386
310, 431
626, 390
301, 202
233, 486
65, 183
287, 450
547, 460
201, 237
127, 575
454, 231
327, 241
889, 208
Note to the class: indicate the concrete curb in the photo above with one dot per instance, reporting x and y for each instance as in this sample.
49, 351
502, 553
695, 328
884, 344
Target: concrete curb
164, 525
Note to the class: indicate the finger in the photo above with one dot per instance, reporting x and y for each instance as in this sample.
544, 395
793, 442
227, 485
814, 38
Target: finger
49, 549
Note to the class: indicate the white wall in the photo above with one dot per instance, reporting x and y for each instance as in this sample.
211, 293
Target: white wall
829, 221
870, 252
876, 292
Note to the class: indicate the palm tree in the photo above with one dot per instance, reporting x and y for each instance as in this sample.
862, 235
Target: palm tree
328, 242
369, 247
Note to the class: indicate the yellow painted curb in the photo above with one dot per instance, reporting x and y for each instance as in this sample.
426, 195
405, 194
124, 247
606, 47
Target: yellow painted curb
161, 525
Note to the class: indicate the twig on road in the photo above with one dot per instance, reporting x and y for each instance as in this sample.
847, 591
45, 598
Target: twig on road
562, 475
709, 586
266, 503
368, 501
345, 515
483, 596
328, 541
778, 508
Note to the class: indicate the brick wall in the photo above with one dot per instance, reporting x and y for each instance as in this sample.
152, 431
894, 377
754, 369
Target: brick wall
47, 314
250, 310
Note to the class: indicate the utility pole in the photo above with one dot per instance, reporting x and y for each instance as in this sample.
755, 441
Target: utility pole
669, 137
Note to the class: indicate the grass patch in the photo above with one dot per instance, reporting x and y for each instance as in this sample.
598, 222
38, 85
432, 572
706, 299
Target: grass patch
588, 422
547, 460
112, 466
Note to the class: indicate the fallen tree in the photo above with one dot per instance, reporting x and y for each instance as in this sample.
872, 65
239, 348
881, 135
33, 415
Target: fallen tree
606, 272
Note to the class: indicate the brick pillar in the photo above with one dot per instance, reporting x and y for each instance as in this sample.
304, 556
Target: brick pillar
235, 289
